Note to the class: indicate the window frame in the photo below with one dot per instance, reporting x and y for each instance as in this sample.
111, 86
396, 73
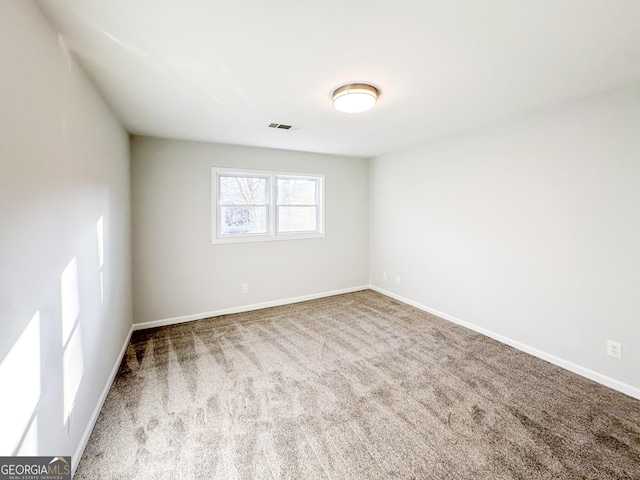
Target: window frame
272, 205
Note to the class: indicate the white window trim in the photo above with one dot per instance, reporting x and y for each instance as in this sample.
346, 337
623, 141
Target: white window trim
272, 207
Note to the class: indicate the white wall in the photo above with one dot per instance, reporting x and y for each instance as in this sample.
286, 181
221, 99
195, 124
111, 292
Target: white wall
178, 272
64, 165
529, 229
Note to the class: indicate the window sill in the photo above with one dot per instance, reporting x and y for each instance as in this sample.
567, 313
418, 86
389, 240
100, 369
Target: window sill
267, 238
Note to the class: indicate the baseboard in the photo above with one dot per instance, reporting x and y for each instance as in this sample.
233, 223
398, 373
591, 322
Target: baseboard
572, 367
75, 460
244, 308
560, 362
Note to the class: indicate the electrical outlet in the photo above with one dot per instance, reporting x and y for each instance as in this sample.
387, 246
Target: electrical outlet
245, 288
614, 349
398, 279
385, 276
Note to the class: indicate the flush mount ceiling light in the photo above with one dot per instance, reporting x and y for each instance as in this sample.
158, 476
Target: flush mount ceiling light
355, 98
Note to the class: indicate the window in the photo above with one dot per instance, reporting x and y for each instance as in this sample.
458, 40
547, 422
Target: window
258, 205
243, 204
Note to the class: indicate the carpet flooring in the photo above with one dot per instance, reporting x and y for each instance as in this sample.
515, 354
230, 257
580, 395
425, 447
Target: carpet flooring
356, 386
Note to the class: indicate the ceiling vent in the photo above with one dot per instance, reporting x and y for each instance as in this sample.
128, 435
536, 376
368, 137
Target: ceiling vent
280, 125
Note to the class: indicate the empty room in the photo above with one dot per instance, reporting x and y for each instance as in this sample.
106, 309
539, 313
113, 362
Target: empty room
307, 240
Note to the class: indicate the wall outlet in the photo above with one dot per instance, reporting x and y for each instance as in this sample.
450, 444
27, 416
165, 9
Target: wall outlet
614, 349
385, 276
245, 288
398, 279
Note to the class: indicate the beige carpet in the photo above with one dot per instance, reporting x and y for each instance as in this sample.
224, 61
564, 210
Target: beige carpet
356, 386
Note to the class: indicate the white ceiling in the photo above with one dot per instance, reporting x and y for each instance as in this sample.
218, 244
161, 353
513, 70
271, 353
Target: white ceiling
222, 71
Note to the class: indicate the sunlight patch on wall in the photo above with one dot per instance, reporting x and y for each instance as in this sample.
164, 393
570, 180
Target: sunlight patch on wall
72, 358
100, 238
29, 445
20, 377
70, 298
72, 370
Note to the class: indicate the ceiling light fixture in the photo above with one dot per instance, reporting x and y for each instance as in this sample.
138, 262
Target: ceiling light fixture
355, 98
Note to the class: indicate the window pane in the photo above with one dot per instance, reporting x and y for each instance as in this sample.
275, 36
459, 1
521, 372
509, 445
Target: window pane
243, 220
243, 190
297, 219
297, 191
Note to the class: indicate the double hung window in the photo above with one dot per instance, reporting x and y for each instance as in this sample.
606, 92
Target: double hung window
259, 205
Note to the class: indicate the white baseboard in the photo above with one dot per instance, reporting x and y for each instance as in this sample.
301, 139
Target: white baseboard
560, 362
572, 367
244, 308
75, 460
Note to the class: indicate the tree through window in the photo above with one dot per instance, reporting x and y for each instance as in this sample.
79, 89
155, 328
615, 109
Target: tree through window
266, 205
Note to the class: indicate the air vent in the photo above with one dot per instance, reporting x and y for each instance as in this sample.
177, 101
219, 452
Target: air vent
280, 125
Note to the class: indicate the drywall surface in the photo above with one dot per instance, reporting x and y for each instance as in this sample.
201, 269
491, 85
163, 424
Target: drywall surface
65, 268
178, 271
527, 228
